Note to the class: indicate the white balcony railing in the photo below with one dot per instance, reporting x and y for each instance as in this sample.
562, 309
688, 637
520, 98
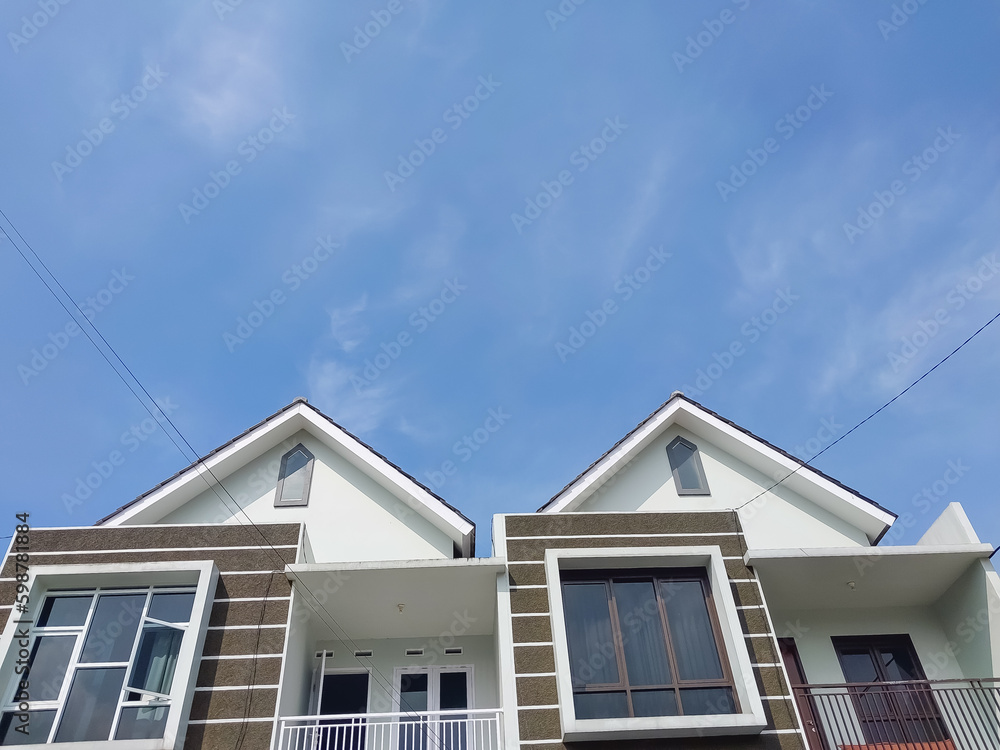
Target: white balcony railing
464, 729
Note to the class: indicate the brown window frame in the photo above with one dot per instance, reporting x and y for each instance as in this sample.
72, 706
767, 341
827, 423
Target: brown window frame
608, 577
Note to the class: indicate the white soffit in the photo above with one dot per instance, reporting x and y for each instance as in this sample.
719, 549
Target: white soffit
437, 597
752, 451
196, 479
852, 577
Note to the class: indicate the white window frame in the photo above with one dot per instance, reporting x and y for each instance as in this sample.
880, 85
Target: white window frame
201, 576
433, 685
751, 719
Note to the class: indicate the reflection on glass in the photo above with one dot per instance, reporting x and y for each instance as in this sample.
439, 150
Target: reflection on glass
90, 707
60, 611
142, 723
642, 633
600, 705
156, 659
171, 607
113, 627
691, 630
703, 701
49, 659
588, 632
36, 733
654, 703
294, 485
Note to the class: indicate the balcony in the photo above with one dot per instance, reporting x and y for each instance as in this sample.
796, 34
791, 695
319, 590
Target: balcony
914, 715
467, 729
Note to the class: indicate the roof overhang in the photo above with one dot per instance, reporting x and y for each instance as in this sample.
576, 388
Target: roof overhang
220, 463
402, 599
755, 452
852, 577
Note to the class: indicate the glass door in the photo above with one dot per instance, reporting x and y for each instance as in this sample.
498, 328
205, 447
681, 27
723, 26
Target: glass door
425, 691
341, 694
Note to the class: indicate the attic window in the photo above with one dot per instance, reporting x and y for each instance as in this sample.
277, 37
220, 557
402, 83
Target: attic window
685, 463
294, 477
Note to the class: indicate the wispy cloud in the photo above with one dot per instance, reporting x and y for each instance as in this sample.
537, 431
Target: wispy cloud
346, 325
331, 390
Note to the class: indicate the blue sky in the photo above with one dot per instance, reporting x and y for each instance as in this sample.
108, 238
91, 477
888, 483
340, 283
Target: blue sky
788, 210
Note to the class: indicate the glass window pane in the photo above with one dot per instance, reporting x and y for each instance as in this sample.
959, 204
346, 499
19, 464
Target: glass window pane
91, 705
691, 630
899, 663
454, 691
654, 703
14, 732
172, 607
701, 701
600, 705
49, 658
156, 659
296, 468
858, 666
142, 723
413, 692
642, 633
588, 632
687, 470
63, 611
113, 628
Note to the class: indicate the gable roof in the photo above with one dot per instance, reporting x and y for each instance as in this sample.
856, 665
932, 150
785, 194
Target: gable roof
298, 415
811, 483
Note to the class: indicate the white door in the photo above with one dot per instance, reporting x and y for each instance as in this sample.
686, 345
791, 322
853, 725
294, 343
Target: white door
425, 692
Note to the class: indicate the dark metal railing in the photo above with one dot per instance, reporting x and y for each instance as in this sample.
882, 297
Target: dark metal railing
913, 715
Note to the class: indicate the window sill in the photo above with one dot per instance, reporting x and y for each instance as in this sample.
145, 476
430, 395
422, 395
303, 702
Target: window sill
575, 730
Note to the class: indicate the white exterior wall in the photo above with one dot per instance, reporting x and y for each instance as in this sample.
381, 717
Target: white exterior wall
782, 518
813, 629
350, 517
965, 612
388, 654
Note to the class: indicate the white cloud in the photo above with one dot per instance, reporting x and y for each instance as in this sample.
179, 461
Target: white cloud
332, 391
346, 326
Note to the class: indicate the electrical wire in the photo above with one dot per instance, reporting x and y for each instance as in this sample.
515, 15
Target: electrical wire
199, 461
807, 461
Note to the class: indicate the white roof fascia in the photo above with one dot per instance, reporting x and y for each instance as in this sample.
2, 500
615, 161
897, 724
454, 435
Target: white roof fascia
751, 451
299, 417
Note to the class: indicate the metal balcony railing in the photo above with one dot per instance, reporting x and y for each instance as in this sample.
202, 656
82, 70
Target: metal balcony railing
914, 715
464, 729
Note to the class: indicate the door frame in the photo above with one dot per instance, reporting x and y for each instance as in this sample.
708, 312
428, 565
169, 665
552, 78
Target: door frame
325, 670
433, 686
